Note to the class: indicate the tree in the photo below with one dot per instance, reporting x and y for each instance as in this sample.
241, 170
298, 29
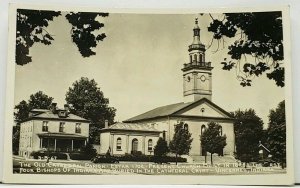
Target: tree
32, 25
161, 149
248, 128
212, 141
87, 100
181, 142
277, 134
257, 46
38, 100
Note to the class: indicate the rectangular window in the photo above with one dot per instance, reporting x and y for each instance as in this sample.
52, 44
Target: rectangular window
150, 145
45, 126
61, 126
77, 128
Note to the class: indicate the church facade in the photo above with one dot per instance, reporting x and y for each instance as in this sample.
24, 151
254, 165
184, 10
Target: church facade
196, 110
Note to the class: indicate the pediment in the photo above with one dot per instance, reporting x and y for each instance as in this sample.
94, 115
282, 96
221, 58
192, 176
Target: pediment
204, 109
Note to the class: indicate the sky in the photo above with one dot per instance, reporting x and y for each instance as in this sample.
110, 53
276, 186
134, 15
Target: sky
138, 66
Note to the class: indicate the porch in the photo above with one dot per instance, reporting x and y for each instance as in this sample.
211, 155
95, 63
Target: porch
62, 142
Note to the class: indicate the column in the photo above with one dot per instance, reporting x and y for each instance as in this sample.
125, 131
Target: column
54, 144
72, 145
127, 143
41, 143
144, 145
112, 144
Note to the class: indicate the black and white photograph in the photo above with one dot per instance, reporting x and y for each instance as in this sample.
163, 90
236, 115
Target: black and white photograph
189, 94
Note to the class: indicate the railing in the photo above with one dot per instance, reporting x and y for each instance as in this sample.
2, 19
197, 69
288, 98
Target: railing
200, 64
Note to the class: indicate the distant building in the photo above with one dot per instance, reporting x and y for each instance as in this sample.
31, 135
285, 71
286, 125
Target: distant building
196, 110
264, 152
52, 130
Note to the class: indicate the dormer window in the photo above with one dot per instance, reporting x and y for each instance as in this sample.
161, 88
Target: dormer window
62, 114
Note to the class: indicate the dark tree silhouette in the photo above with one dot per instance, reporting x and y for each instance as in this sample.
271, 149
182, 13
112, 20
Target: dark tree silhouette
277, 134
258, 45
161, 148
248, 128
181, 142
87, 100
211, 139
38, 100
32, 28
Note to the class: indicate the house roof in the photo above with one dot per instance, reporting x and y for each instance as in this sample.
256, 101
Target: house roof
48, 114
172, 109
131, 127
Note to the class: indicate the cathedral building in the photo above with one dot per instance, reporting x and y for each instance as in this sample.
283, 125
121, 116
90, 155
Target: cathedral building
196, 111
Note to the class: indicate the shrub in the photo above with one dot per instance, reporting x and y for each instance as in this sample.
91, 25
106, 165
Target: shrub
79, 156
43, 154
147, 158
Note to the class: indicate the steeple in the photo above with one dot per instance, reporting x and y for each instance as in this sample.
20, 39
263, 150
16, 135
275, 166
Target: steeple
196, 33
197, 73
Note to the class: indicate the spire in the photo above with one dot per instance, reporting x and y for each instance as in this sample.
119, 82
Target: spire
196, 30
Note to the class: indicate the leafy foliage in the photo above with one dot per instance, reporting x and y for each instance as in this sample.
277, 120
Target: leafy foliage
248, 128
277, 134
39, 100
211, 139
258, 47
181, 142
161, 148
83, 27
87, 100
32, 24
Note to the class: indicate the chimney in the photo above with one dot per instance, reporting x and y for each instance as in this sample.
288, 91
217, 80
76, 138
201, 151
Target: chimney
106, 124
66, 107
53, 108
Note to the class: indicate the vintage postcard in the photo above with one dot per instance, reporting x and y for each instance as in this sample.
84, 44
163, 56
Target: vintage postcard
148, 96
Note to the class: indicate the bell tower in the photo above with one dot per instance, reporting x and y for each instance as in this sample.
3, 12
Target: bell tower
197, 76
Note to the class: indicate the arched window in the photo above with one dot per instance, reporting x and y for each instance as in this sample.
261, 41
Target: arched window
119, 144
195, 57
203, 128
220, 131
202, 110
186, 126
135, 144
150, 145
191, 59
200, 59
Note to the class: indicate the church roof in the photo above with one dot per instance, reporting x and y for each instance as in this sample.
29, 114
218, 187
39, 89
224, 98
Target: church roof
131, 127
172, 109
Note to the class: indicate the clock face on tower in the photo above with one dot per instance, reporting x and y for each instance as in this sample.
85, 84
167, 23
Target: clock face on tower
202, 78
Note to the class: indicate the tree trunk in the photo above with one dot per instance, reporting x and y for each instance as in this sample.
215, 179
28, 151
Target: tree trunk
211, 160
245, 164
205, 157
176, 158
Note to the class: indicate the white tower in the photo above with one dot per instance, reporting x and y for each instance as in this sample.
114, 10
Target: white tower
197, 77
